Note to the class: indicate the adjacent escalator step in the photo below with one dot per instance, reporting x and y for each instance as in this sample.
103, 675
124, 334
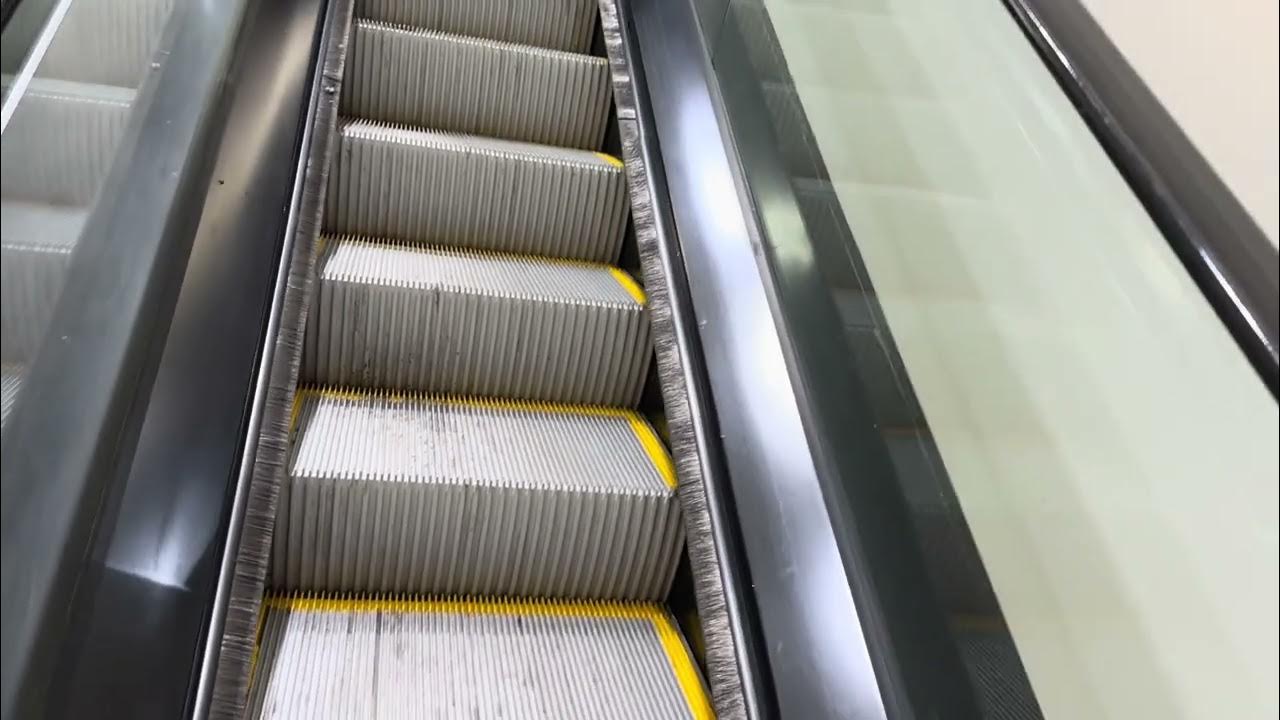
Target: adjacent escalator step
61, 140
411, 317
35, 247
555, 24
107, 41
462, 84
10, 384
413, 493
472, 191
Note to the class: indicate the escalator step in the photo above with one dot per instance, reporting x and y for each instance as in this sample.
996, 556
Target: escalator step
462, 84
442, 320
104, 41
472, 191
555, 24
402, 658
61, 141
10, 384
412, 493
35, 247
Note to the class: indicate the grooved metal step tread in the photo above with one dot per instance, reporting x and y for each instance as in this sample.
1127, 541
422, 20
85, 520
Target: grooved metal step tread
476, 658
61, 141
10, 385
409, 317
406, 317
36, 242
111, 42
472, 191
462, 84
447, 494
555, 24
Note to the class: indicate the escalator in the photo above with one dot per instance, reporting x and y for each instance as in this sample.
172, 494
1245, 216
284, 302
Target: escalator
616, 358
476, 520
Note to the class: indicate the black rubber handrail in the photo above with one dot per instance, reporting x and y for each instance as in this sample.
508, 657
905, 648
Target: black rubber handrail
1223, 249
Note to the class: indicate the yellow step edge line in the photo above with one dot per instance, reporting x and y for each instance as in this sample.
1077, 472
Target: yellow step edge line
609, 159
653, 447
690, 681
644, 432
296, 411
673, 645
629, 284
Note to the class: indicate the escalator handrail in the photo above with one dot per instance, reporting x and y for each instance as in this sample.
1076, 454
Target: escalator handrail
1223, 249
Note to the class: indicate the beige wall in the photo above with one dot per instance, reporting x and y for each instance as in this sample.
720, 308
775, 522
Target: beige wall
1214, 66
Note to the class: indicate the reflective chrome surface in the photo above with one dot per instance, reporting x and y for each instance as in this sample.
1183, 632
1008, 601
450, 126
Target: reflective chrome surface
725, 526
817, 653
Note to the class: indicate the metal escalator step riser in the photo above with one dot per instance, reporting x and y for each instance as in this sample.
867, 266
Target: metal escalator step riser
61, 142
113, 43
475, 192
413, 318
411, 494
426, 658
472, 562
106, 41
36, 246
29, 288
34, 254
460, 84
553, 24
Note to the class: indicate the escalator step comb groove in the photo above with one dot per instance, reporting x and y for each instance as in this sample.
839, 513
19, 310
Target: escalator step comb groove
555, 24
412, 493
323, 657
441, 320
477, 192
462, 84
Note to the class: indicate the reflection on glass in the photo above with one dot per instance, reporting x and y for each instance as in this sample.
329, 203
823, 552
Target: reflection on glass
72, 99
1043, 369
